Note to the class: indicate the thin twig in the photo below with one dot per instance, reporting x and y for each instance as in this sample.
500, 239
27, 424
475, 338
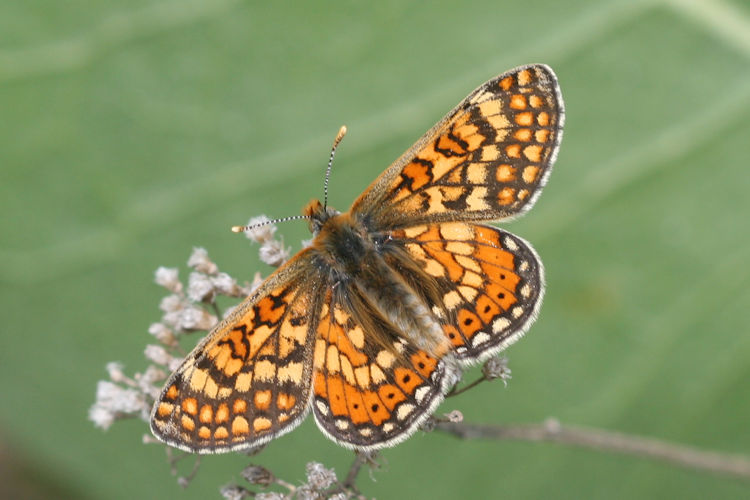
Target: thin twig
359, 460
456, 392
349, 486
553, 431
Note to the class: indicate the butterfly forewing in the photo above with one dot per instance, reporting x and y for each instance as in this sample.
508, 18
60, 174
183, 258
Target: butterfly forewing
249, 380
485, 160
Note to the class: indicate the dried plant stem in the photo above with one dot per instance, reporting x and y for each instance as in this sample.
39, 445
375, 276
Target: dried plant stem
455, 391
349, 486
553, 431
359, 460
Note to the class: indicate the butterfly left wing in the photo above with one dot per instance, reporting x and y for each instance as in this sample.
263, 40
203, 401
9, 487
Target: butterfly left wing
489, 282
367, 395
249, 380
487, 159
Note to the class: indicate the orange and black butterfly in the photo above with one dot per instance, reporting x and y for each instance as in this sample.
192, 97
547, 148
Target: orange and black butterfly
370, 325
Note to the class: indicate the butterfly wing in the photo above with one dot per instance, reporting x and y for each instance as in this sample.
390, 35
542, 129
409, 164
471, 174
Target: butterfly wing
485, 160
367, 395
490, 283
249, 379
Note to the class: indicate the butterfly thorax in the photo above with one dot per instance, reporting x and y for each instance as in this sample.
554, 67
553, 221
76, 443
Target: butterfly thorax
359, 265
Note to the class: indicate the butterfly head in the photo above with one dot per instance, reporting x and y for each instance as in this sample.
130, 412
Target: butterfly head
317, 215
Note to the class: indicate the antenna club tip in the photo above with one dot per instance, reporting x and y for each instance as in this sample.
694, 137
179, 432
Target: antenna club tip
341, 134
238, 229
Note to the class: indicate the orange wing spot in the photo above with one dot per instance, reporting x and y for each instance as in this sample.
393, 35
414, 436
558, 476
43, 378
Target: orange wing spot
339, 344
484, 235
518, 101
336, 397
172, 392
283, 417
261, 424
222, 413
221, 433
453, 335
475, 172
524, 77
452, 193
430, 233
206, 414
375, 407
232, 367
529, 174
505, 173
533, 153
454, 176
240, 426
236, 337
262, 399
523, 194
490, 153
487, 309
267, 313
424, 364
164, 409
490, 108
541, 135
407, 379
525, 119
190, 405
204, 432
523, 134
239, 406
418, 173
506, 196
507, 279
187, 423
506, 83
285, 401
391, 395
513, 150
455, 270
319, 386
468, 322
461, 120
536, 101
444, 142
543, 119
356, 405
501, 295
496, 257
466, 132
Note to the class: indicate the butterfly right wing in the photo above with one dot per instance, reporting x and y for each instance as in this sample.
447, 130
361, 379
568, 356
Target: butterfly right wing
488, 283
249, 380
487, 159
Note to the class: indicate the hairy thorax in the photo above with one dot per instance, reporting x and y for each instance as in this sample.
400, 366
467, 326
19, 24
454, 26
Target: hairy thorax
364, 268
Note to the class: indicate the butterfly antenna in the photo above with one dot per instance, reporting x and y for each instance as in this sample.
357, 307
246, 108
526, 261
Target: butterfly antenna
336, 141
242, 229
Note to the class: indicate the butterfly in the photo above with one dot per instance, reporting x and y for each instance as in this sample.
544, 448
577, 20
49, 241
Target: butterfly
370, 325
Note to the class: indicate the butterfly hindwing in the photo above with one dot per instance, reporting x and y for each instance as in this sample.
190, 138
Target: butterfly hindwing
367, 395
491, 282
485, 160
249, 380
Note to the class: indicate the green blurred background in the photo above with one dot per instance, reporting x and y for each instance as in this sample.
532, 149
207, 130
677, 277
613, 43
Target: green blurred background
132, 131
